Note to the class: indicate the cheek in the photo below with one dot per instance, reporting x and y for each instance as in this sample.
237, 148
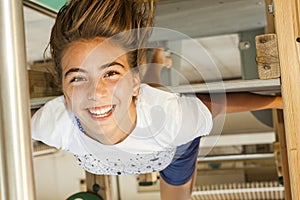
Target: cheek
126, 82
68, 93
123, 90
73, 97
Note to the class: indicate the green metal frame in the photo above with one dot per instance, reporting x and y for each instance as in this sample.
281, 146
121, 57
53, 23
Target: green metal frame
85, 196
53, 4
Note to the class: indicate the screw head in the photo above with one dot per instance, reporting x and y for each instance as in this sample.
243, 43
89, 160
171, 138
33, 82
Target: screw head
267, 67
271, 9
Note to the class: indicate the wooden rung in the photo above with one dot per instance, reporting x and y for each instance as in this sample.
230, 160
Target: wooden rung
267, 56
277, 154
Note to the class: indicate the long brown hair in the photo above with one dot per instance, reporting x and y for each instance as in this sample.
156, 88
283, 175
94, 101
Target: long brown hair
87, 19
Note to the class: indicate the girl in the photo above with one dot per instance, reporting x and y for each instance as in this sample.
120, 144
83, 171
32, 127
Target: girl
111, 122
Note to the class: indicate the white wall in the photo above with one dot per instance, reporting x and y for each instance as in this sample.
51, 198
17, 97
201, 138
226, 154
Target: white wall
57, 176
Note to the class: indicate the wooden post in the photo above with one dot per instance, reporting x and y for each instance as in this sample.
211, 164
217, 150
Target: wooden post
270, 17
280, 148
287, 28
100, 183
282, 158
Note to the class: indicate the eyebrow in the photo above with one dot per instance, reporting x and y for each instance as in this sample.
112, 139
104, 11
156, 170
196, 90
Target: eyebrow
111, 64
72, 70
102, 67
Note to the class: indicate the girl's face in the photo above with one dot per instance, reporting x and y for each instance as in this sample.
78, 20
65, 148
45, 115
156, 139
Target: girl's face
99, 88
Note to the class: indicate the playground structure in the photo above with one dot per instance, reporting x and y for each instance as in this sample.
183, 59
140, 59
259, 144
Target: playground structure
16, 167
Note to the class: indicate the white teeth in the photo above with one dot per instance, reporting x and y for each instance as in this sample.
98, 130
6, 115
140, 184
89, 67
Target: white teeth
101, 112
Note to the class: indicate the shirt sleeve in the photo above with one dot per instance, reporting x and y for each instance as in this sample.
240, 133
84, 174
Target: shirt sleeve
52, 124
195, 119
172, 119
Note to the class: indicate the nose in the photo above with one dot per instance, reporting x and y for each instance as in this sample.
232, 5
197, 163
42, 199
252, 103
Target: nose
97, 90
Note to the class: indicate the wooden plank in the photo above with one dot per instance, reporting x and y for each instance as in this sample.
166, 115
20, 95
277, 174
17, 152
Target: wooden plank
100, 184
280, 149
287, 29
41, 84
281, 153
267, 56
42, 81
42, 66
270, 17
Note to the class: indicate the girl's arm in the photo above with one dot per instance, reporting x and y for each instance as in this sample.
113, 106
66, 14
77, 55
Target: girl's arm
239, 102
234, 102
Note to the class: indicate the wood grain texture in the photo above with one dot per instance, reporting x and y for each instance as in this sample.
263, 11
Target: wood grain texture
267, 56
287, 30
104, 181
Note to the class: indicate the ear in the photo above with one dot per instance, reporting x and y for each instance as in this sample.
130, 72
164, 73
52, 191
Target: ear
136, 83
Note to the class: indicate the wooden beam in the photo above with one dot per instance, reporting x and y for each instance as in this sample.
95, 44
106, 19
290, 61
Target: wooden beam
287, 29
100, 184
280, 148
282, 156
270, 17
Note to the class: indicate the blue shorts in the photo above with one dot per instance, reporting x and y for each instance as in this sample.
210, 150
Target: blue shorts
182, 168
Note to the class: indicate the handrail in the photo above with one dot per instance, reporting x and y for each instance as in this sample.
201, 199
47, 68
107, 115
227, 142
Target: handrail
16, 166
254, 85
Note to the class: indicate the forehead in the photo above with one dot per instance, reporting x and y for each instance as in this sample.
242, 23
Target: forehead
94, 52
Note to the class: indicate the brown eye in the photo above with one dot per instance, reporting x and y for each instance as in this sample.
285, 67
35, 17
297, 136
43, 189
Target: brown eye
111, 74
77, 79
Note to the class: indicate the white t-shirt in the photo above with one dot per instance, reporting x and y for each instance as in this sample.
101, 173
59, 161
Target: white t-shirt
164, 121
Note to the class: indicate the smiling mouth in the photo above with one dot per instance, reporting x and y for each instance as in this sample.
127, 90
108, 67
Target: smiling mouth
102, 112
